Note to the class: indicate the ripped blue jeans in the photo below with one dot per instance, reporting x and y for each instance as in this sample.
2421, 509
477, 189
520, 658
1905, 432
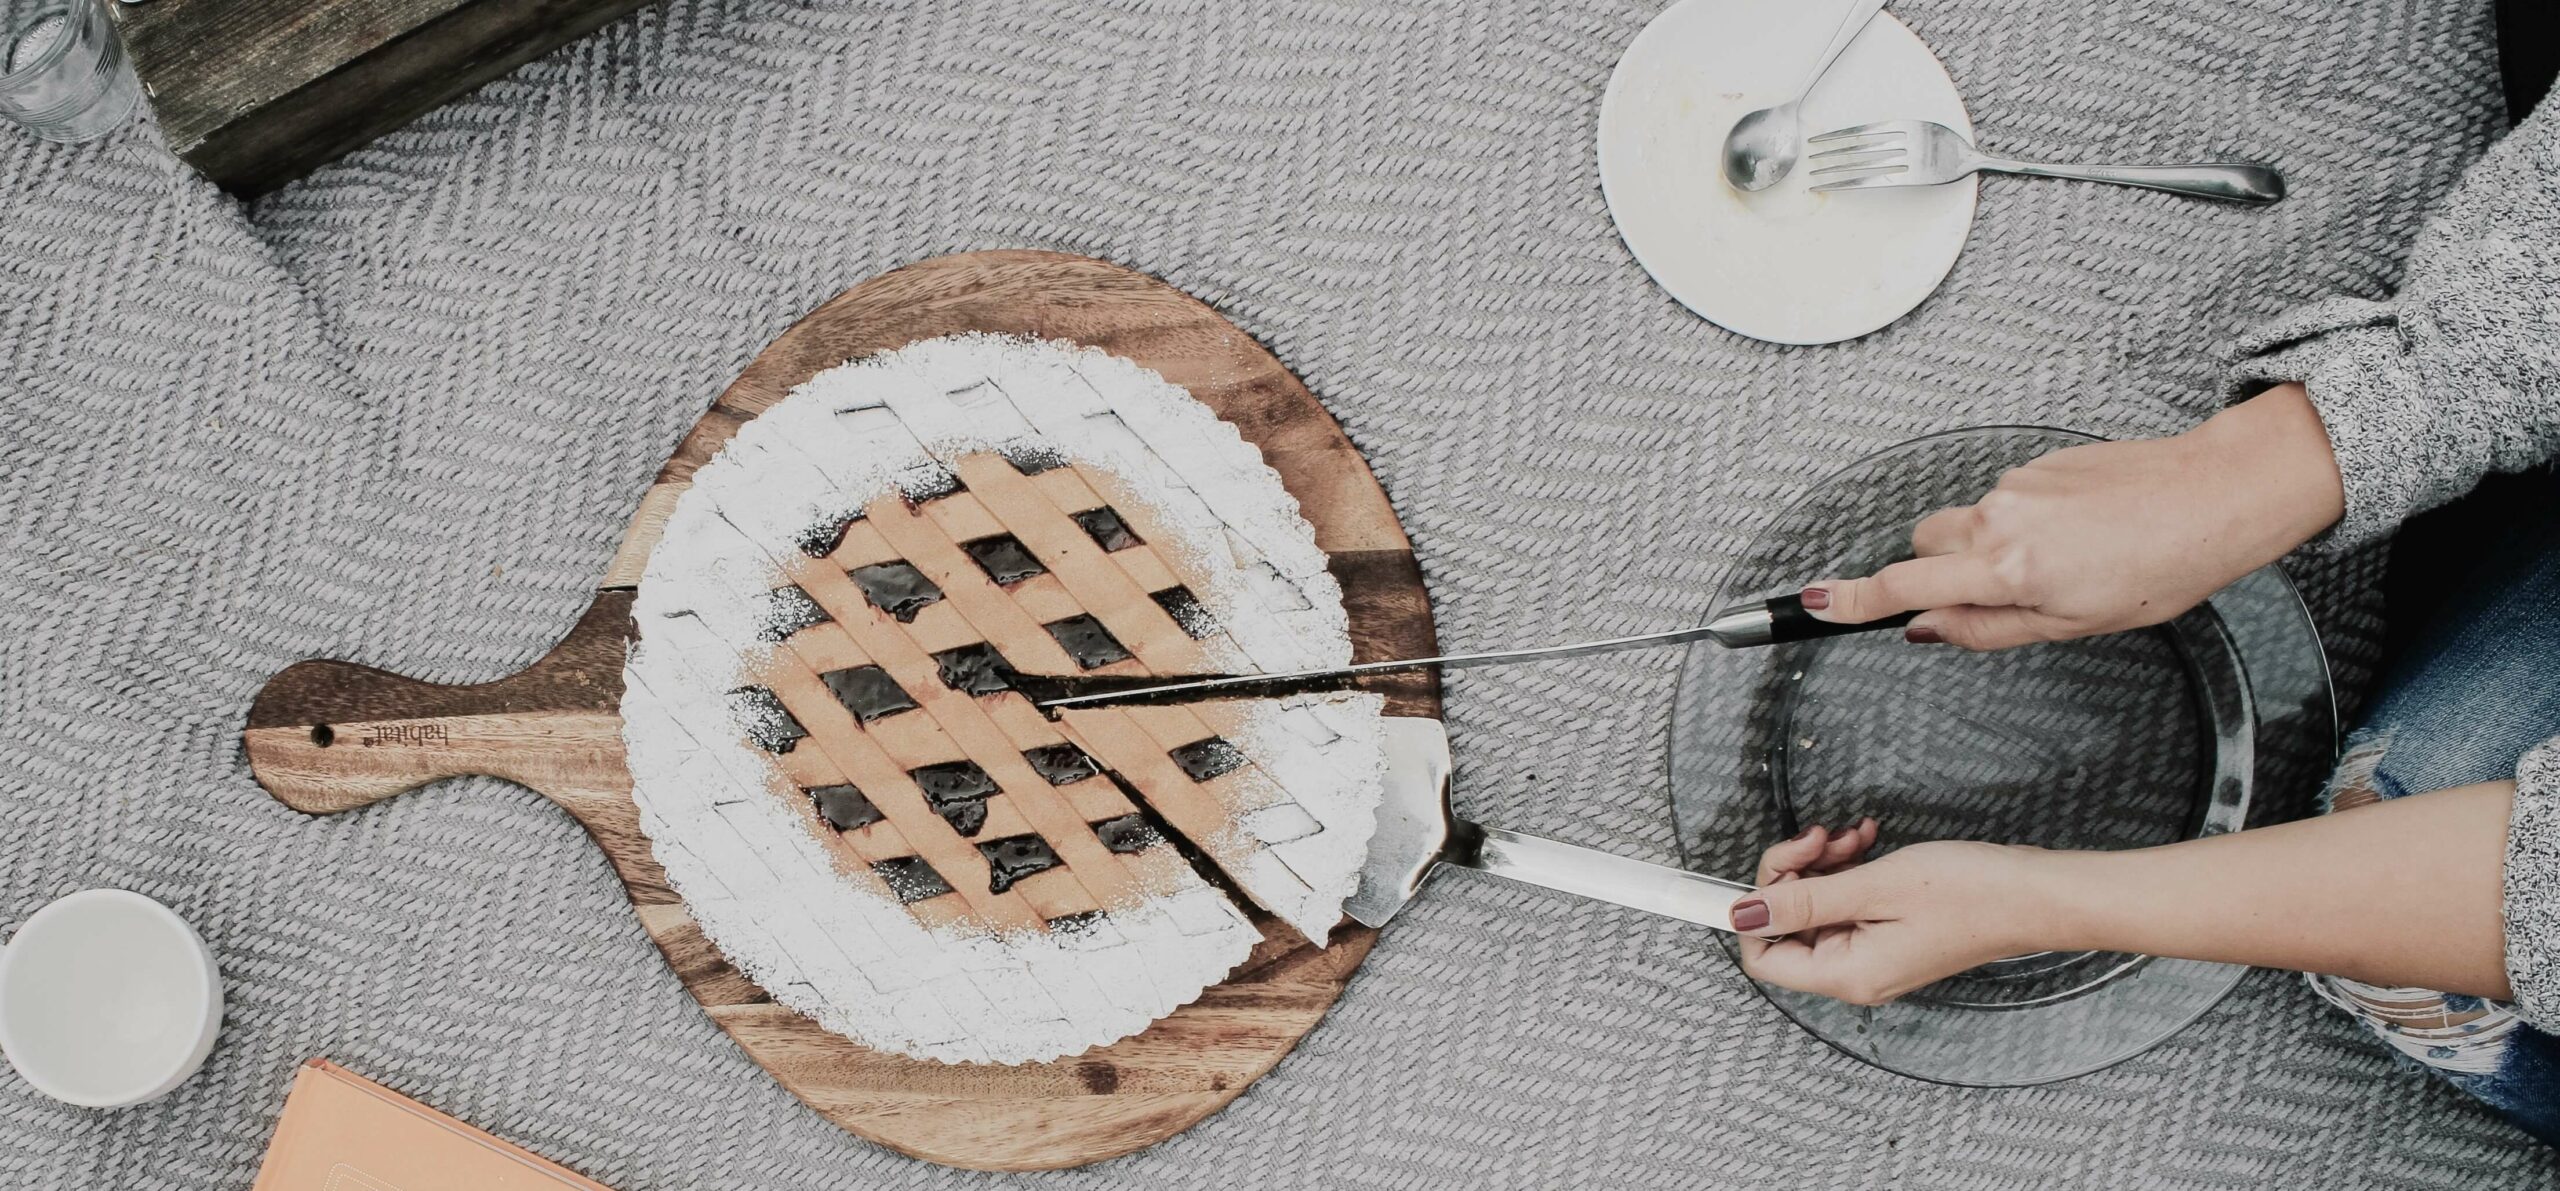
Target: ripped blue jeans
2470, 694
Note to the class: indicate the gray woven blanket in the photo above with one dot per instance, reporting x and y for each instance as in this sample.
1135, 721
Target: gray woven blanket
400, 413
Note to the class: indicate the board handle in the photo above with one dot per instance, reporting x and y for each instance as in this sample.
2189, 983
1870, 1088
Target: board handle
328, 736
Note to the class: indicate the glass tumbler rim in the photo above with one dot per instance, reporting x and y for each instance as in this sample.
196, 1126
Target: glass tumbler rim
52, 55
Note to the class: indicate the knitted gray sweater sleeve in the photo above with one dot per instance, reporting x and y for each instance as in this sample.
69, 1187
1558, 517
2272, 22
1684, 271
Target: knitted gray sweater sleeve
2533, 888
2455, 377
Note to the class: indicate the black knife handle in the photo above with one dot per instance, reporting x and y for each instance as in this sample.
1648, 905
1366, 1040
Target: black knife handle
1788, 621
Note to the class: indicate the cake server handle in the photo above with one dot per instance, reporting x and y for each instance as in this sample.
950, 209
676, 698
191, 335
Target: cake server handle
1601, 876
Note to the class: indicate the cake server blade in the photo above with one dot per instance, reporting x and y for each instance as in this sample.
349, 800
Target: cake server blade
1767, 622
1417, 833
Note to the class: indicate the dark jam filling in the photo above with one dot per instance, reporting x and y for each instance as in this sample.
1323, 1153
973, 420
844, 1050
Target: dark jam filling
1085, 640
868, 692
766, 720
1032, 458
1127, 835
897, 589
975, 669
1205, 759
911, 879
930, 482
1186, 611
957, 791
821, 540
1004, 559
1014, 857
952, 781
1061, 764
1068, 924
1108, 530
788, 610
843, 807
967, 818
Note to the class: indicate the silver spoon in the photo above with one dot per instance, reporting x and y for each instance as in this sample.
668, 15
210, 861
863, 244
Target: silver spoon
1763, 145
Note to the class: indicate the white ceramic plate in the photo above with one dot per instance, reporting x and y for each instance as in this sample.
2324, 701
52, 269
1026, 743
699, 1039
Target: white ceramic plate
1784, 265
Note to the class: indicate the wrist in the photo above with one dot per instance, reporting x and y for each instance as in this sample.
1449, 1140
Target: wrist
2054, 900
2271, 454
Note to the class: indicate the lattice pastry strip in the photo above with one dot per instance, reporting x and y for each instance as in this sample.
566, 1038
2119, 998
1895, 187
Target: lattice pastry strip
708, 830
693, 759
1313, 751
1289, 589
1077, 554
1219, 822
868, 544
982, 743
1136, 625
1055, 894
1203, 792
886, 784
1116, 531
1266, 593
819, 703
1008, 486
966, 586
858, 576
862, 630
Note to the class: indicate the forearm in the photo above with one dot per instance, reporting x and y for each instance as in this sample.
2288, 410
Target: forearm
2400, 893
2456, 375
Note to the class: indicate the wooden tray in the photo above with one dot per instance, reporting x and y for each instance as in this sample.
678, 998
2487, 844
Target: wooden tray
327, 736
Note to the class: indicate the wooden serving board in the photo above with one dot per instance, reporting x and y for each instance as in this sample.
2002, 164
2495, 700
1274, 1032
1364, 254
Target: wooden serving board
327, 736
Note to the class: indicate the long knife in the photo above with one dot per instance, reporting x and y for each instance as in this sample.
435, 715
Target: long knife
1767, 622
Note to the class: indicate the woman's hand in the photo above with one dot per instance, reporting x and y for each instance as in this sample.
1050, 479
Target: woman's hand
1867, 933
2110, 536
2401, 893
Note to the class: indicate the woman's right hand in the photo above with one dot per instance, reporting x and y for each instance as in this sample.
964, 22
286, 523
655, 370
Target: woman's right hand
2110, 536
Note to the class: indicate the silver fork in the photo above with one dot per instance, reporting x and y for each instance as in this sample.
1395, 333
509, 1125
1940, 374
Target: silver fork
1922, 153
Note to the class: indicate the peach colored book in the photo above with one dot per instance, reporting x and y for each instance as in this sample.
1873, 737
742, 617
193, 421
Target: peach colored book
341, 1132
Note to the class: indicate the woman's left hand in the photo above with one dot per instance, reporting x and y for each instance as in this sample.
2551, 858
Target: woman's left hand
1867, 932
2401, 893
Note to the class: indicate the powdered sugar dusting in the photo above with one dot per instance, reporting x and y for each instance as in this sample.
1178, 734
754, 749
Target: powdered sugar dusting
741, 842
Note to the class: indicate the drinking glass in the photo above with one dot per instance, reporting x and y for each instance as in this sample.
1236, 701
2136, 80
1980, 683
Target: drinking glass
63, 72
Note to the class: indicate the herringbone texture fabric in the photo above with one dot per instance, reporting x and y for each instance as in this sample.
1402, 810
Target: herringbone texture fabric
400, 414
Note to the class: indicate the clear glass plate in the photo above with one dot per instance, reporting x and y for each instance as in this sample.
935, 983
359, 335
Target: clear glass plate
2123, 741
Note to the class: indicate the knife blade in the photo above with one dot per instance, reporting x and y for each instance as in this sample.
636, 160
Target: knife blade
1765, 622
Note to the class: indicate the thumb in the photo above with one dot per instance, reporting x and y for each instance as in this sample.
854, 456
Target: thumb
1806, 903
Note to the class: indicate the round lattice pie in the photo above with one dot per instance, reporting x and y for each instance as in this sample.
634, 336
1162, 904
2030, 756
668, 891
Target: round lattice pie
835, 767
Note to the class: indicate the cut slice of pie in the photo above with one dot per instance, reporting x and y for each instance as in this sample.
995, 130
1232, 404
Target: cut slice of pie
834, 764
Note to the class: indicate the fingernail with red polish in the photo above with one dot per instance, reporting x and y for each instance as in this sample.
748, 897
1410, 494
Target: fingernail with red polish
1750, 914
1921, 634
1816, 598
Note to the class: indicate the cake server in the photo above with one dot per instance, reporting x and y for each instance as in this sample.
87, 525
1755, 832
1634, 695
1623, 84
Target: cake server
1417, 833
1768, 622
